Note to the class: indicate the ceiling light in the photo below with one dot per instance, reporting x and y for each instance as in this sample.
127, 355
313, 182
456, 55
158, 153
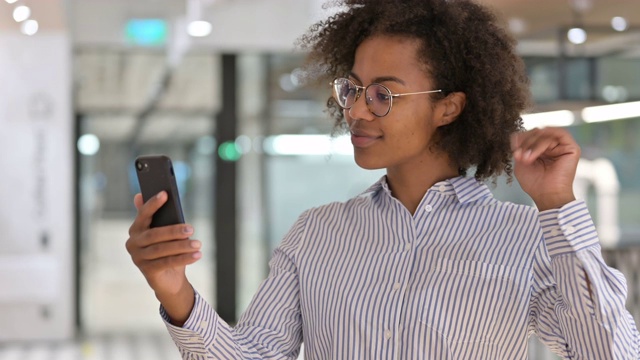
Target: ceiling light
619, 23
611, 112
199, 28
29, 27
21, 13
551, 118
577, 35
88, 144
10, 1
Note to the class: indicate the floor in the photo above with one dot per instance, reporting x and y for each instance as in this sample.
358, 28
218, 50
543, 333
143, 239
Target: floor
117, 347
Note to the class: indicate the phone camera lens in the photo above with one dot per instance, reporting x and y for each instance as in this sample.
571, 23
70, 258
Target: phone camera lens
139, 165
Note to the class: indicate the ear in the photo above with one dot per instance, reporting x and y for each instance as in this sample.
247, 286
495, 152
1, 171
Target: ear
451, 107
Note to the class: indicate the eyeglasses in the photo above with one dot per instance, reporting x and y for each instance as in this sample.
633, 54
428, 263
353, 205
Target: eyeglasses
378, 97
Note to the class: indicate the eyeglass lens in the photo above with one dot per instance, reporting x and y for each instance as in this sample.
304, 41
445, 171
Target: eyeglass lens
377, 97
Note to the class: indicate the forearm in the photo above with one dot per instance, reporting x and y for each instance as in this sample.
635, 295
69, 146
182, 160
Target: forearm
270, 328
204, 335
591, 308
588, 298
178, 306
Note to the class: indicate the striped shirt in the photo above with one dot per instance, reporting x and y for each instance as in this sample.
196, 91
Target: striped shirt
465, 277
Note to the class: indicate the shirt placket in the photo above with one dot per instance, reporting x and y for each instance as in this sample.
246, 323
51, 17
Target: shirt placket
393, 333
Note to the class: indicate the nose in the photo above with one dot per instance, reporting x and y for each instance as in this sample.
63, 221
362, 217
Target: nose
360, 109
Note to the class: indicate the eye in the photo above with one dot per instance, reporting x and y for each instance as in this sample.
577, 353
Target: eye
380, 94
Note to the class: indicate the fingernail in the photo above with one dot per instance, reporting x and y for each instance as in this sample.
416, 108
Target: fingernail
527, 154
187, 229
196, 244
197, 255
160, 195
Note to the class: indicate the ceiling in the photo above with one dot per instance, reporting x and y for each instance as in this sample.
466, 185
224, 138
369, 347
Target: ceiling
544, 15
242, 24
541, 23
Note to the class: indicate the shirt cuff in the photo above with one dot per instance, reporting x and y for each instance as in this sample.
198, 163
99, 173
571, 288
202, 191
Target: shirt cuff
198, 332
569, 229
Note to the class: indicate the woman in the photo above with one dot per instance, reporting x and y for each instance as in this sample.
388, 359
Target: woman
425, 264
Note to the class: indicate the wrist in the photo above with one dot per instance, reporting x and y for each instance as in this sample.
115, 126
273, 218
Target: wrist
178, 305
553, 201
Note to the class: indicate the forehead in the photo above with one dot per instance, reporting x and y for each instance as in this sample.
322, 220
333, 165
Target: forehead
388, 56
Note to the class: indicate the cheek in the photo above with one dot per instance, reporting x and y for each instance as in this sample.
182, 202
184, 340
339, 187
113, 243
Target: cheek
411, 133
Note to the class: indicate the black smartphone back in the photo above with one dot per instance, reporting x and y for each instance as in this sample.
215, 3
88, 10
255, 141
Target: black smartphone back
155, 174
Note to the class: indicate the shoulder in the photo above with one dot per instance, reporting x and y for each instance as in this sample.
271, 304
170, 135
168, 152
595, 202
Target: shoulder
510, 221
320, 225
511, 212
339, 209
364, 201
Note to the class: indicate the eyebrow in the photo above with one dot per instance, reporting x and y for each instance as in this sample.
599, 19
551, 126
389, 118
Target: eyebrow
379, 79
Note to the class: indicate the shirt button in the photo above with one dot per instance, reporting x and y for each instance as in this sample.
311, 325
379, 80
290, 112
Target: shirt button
442, 188
428, 208
396, 286
387, 334
570, 230
407, 247
553, 232
204, 324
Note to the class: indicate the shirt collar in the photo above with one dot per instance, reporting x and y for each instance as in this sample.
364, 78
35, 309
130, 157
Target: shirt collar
465, 189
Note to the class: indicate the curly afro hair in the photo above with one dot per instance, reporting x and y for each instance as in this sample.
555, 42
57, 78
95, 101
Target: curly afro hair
464, 49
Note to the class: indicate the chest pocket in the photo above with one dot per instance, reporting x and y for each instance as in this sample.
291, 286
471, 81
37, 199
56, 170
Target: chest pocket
470, 301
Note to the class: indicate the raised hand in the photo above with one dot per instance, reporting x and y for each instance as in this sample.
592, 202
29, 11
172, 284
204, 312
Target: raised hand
545, 165
162, 255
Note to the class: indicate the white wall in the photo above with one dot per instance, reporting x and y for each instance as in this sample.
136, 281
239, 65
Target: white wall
36, 189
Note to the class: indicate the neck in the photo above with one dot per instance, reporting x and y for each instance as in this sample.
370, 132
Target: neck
409, 183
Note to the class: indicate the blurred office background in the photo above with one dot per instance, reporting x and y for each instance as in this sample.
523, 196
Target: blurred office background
87, 85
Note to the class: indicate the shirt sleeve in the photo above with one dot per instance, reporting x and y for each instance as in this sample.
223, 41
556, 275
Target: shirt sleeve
578, 302
270, 328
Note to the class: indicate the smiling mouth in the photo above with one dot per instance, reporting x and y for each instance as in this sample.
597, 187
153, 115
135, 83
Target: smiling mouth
363, 141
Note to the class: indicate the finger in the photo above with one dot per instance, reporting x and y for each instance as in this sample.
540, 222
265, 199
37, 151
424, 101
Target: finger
137, 201
163, 234
146, 211
153, 204
521, 145
516, 139
535, 142
170, 262
542, 146
550, 147
170, 248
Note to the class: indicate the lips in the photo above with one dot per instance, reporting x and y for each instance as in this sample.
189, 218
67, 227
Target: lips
363, 139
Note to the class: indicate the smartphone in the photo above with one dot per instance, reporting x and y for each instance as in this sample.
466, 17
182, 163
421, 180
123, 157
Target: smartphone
155, 174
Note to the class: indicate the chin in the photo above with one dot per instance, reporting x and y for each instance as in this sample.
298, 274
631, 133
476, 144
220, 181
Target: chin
368, 163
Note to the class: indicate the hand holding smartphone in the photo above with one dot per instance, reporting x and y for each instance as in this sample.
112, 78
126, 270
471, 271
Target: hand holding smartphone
162, 254
155, 174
